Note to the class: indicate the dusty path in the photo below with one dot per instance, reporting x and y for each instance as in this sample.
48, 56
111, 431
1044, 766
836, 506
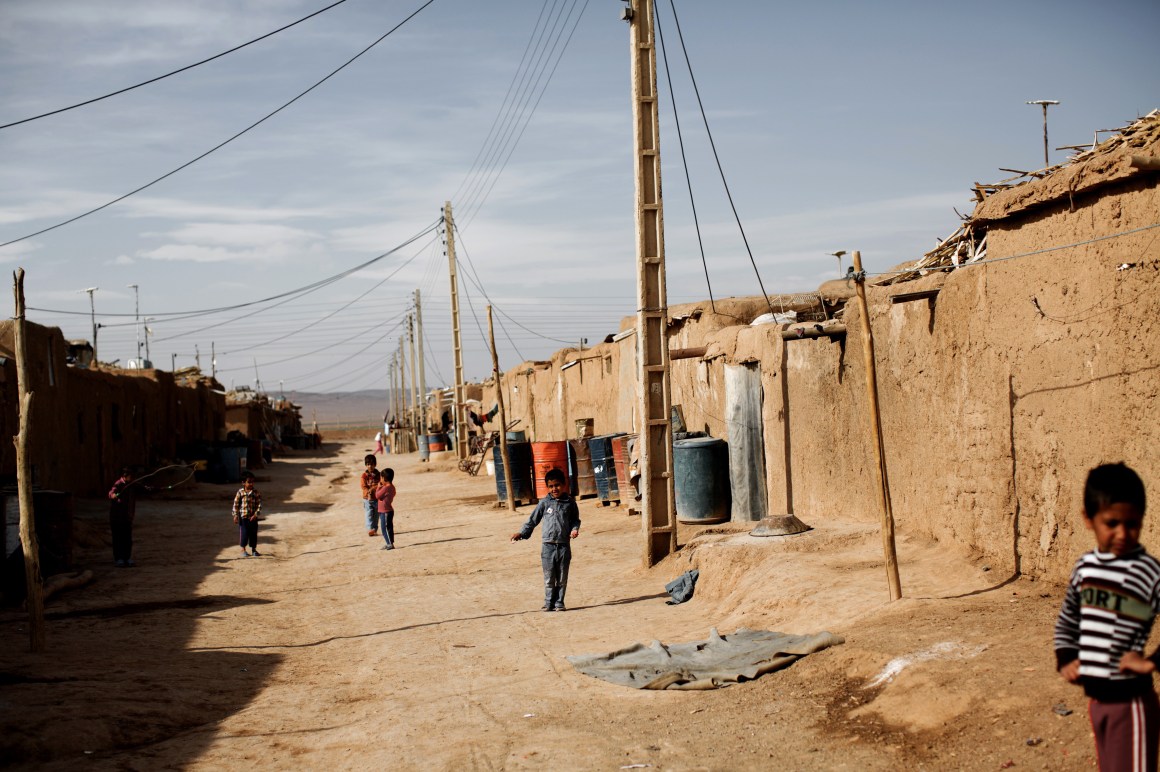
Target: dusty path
328, 652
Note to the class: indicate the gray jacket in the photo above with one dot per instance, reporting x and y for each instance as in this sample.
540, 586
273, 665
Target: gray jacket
561, 516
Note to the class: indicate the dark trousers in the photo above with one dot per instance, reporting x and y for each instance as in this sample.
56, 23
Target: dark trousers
1126, 733
247, 533
387, 527
122, 528
555, 559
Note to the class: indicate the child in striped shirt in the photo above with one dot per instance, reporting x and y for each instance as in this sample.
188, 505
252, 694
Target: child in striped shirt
1111, 600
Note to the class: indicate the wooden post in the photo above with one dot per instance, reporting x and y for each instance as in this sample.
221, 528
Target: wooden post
28, 540
456, 342
876, 430
653, 393
503, 451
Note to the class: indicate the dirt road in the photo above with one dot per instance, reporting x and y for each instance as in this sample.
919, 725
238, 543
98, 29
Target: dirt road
330, 653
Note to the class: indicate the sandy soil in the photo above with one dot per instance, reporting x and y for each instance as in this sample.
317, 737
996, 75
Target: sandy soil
328, 652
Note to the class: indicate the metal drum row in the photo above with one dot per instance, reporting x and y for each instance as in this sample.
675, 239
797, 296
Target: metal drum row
600, 466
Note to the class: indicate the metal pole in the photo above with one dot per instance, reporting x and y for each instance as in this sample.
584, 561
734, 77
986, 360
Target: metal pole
415, 414
422, 369
1044, 103
137, 319
93, 318
876, 428
503, 448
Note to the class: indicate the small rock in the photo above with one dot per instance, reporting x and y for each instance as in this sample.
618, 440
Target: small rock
986, 568
1033, 741
1061, 709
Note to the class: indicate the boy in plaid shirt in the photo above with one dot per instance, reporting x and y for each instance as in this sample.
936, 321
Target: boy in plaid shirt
247, 507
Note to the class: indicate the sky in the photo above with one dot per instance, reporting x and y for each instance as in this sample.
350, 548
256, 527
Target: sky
837, 125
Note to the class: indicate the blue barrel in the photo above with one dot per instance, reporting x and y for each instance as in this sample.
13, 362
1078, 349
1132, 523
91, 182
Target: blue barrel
424, 447
701, 480
519, 436
234, 462
603, 467
520, 455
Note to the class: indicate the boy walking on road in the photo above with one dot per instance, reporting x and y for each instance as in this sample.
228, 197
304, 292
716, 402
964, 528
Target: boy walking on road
247, 507
1107, 614
561, 518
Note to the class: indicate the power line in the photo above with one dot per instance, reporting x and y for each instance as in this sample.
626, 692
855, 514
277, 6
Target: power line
178, 316
221, 144
169, 74
716, 157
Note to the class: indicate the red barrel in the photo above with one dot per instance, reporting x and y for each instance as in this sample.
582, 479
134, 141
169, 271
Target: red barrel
436, 443
545, 457
621, 460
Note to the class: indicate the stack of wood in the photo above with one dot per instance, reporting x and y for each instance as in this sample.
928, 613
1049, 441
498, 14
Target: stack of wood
963, 246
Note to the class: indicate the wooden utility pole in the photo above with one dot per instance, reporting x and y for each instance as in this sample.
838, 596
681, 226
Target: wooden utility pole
503, 449
414, 397
460, 417
28, 540
654, 397
422, 369
876, 430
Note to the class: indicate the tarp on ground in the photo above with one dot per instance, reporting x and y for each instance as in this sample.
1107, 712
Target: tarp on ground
720, 661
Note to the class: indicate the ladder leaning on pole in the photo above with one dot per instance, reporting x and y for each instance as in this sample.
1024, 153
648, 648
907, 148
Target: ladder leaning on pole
653, 389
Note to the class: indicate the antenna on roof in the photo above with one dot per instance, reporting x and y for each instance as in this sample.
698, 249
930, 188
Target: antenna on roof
1044, 103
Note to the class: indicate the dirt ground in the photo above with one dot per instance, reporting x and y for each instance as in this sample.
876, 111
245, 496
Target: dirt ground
330, 653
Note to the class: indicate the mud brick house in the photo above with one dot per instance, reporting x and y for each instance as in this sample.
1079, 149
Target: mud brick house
1021, 352
87, 423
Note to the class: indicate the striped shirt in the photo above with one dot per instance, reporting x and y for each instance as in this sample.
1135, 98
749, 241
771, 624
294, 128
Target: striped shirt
1107, 611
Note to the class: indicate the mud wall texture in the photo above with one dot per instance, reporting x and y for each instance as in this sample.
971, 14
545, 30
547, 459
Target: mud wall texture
87, 424
996, 395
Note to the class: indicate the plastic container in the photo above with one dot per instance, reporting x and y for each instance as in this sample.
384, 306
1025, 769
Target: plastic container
701, 480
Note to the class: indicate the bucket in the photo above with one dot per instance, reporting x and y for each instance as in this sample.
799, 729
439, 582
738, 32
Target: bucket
520, 455
547, 456
582, 466
490, 465
436, 443
583, 428
701, 480
520, 436
424, 447
621, 461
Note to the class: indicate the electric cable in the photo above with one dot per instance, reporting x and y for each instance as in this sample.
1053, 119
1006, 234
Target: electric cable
716, 157
475, 207
169, 74
685, 162
503, 104
224, 143
512, 109
182, 315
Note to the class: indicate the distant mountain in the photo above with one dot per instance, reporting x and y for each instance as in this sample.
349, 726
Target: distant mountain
362, 408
